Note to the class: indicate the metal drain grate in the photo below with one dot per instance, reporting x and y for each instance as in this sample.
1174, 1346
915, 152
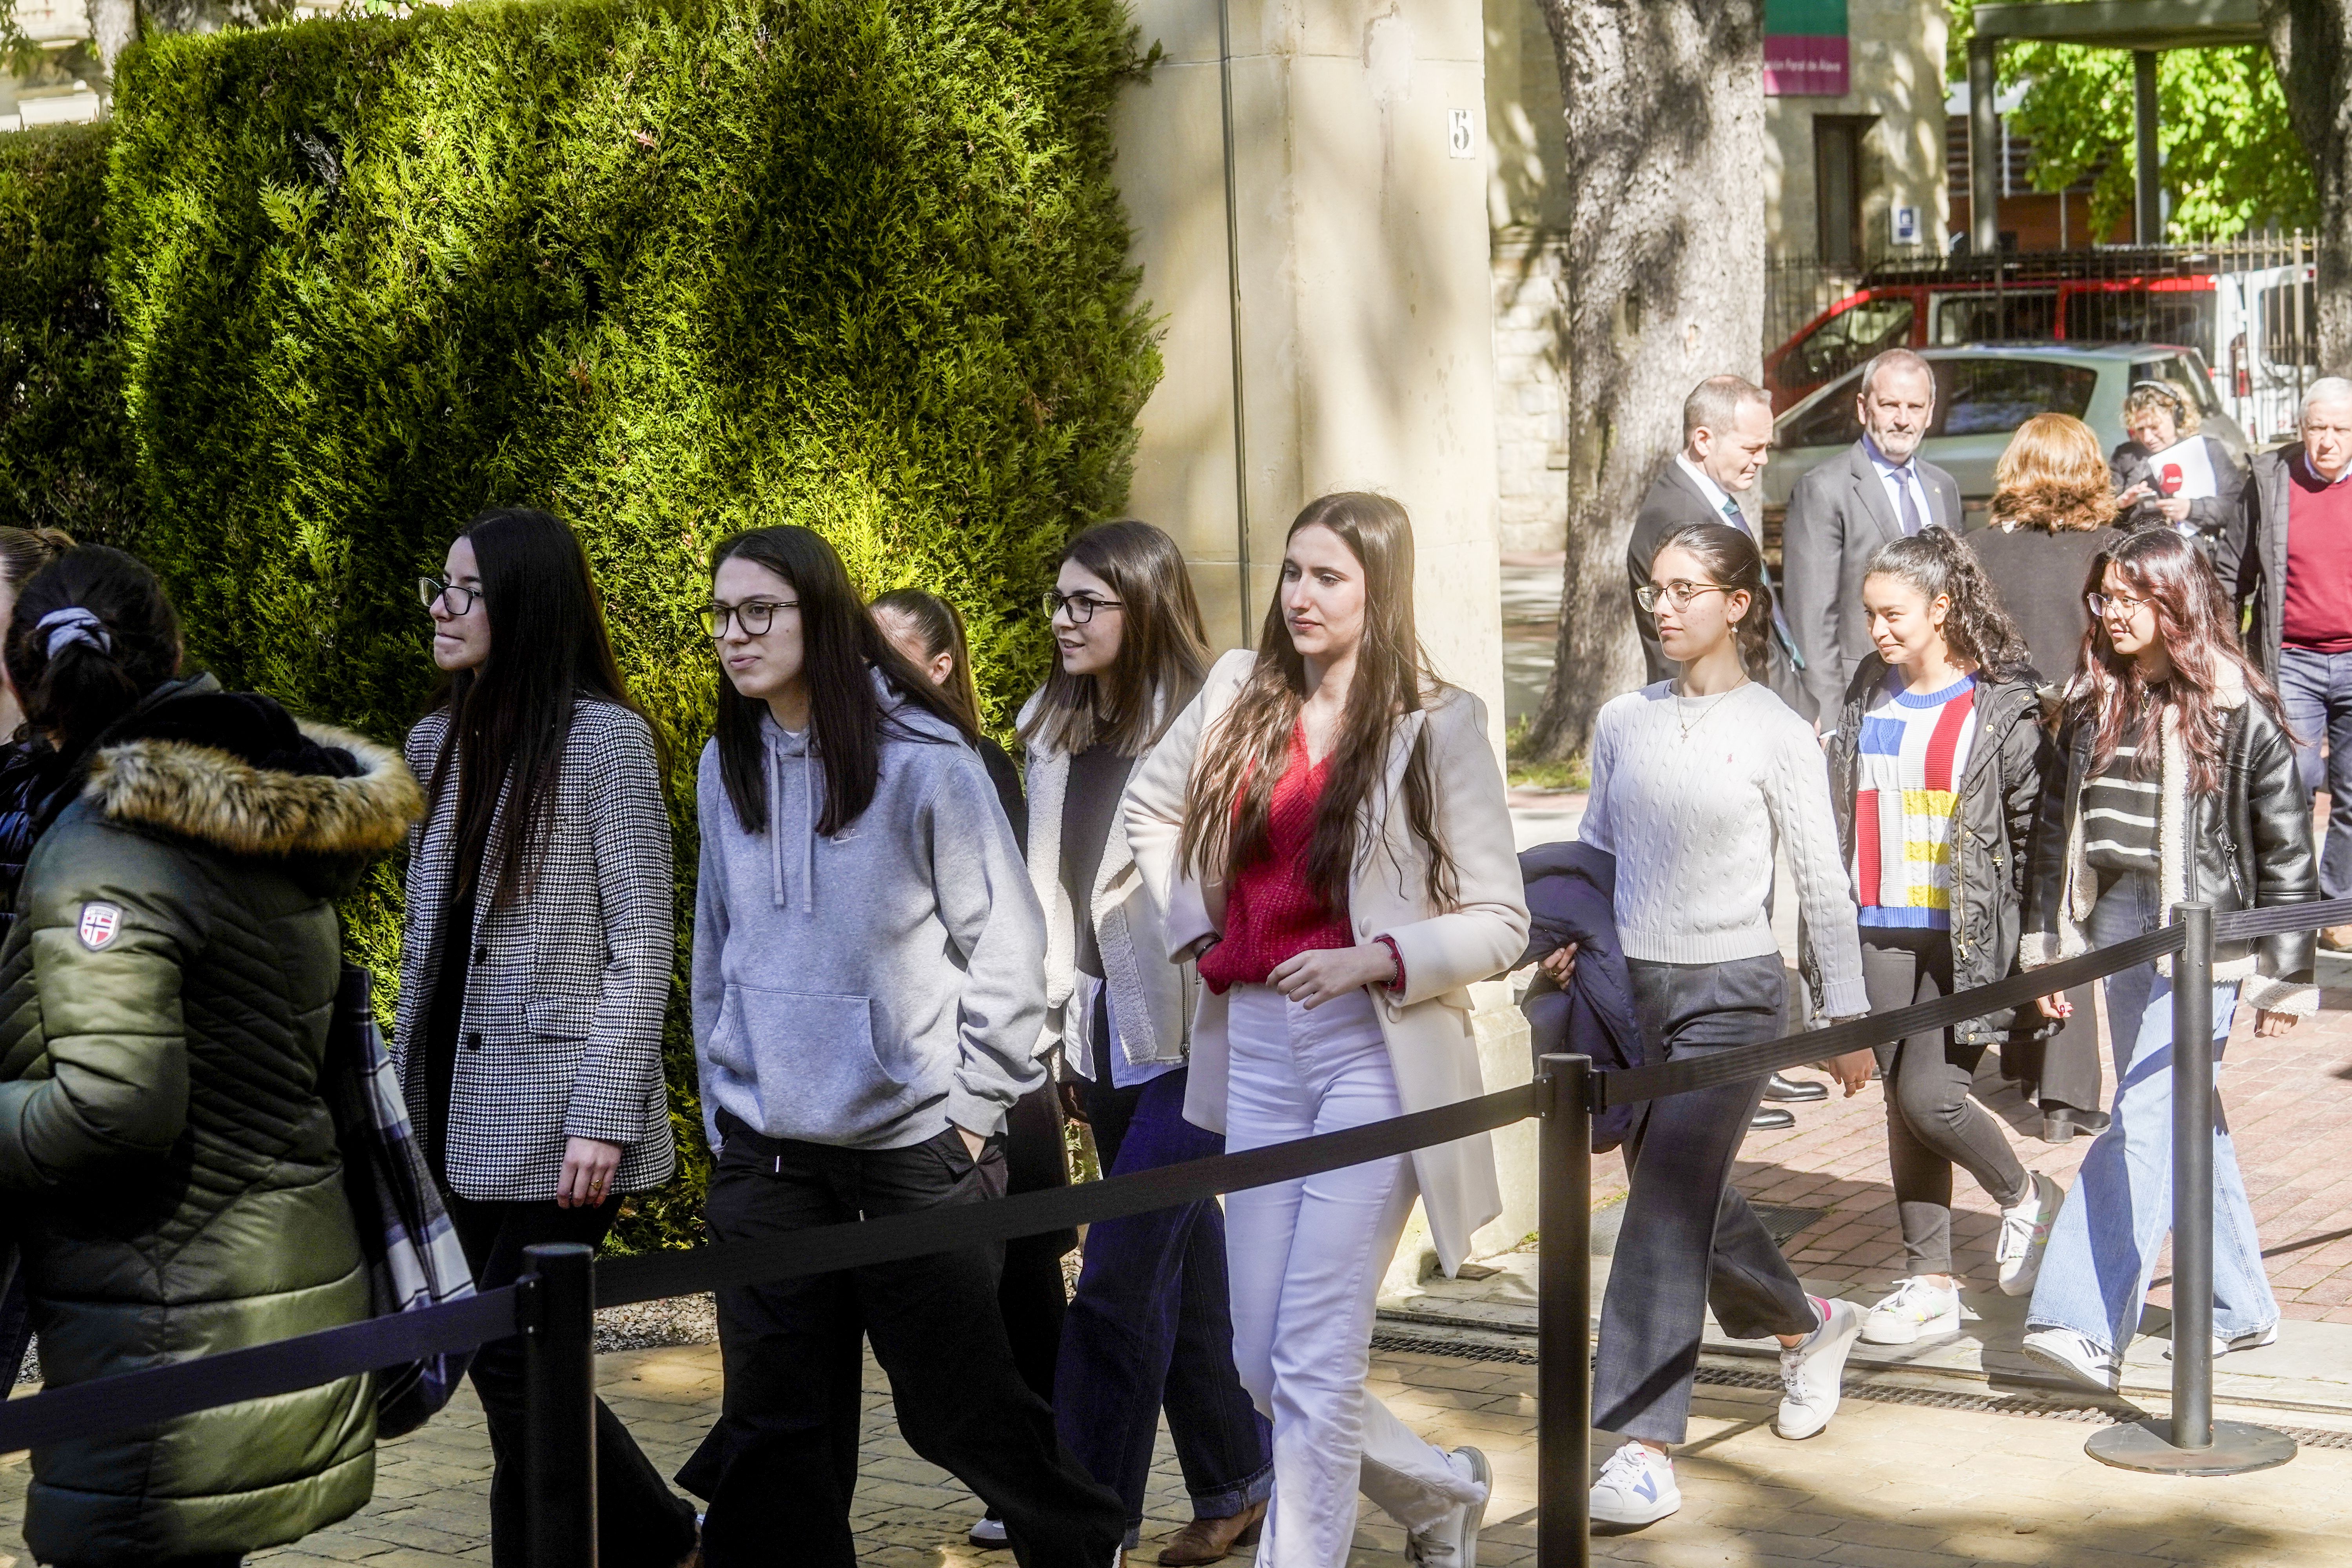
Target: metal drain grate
1875, 1392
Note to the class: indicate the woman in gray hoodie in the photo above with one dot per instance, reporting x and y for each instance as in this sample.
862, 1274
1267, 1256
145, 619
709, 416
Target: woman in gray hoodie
868, 996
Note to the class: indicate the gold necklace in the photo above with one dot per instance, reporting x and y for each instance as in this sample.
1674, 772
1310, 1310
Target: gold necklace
1682, 709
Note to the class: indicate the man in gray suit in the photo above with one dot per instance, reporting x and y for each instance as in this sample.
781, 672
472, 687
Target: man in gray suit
1843, 510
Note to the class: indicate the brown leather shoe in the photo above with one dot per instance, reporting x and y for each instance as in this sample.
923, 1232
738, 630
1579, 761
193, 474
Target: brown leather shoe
1213, 1539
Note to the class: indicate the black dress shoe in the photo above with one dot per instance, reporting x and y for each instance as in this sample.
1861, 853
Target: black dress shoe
2061, 1122
1795, 1091
1771, 1119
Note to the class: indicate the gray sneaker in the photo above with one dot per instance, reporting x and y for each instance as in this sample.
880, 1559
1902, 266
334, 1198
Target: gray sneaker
1455, 1544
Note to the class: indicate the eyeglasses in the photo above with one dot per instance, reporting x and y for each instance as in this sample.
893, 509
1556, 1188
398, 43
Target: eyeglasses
1678, 595
431, 591
753, 616
2115, 604
1080, 607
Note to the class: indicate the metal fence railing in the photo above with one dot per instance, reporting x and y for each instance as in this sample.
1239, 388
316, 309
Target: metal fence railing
553, 1306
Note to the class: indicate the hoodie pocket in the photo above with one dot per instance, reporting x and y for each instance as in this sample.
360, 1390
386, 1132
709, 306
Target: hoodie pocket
809, 1058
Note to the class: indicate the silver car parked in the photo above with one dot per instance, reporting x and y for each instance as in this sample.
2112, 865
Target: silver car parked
1984, 392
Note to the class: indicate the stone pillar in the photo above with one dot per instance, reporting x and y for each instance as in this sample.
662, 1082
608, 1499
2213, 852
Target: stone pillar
1330, 155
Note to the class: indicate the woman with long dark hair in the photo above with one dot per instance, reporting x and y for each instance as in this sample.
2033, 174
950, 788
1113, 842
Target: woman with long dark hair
165, 1154
2179, 787
1330, 824
1031, 1292
1695, 781
868, 1001
535, 963
1152, 1328
1937, 769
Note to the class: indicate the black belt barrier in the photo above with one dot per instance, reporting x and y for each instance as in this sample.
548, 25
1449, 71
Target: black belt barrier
551, 1306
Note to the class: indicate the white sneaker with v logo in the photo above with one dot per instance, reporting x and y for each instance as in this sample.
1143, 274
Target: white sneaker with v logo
1636, 1487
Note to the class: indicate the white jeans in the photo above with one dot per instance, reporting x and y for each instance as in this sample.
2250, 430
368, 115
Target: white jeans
1307, 1259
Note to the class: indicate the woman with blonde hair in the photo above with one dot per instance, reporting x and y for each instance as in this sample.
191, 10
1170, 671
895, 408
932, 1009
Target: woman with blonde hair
2168, 476
2053, 513
1329, 825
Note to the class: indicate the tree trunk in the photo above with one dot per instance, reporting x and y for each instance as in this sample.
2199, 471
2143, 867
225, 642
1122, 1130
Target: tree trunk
113, 25
2311, 42
1665, 274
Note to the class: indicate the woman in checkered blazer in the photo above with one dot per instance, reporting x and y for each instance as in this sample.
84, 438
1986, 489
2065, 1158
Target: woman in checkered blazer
535, 962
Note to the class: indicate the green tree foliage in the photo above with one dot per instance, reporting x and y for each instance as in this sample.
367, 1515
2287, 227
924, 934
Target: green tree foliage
668, 268
2231, 161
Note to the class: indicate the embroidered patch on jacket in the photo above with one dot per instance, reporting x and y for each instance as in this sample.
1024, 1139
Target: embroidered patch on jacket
100, 924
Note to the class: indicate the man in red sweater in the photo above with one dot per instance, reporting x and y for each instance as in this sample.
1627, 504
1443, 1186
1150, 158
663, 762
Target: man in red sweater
2290, 559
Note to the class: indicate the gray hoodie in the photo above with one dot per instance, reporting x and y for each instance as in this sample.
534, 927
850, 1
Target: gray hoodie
866, 990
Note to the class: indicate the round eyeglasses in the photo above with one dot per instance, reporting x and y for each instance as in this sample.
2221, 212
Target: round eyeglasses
754, 616
1678, 595
431, 591
2118, 603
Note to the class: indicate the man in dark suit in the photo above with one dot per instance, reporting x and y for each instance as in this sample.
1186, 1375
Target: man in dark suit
1726, 440
1843, 510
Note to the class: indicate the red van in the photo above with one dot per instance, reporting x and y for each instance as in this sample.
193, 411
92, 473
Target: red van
2095, 297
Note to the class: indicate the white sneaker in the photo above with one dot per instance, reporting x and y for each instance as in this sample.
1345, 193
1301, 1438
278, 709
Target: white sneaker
989, 1534
2064, 1351
1455, 1544
2252, 1341
1636, 1488
1916, 1311
2025, 1235
1811, 1370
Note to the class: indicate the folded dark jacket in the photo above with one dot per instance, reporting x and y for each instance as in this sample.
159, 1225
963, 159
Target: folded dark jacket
1571, 898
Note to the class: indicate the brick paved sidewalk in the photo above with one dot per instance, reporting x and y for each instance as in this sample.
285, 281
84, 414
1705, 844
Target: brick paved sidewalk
1888, 1486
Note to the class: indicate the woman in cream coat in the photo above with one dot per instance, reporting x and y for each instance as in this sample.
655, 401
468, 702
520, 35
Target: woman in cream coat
1331, 826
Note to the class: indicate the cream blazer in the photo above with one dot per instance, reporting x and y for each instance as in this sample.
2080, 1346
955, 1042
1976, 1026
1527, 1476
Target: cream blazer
1427, 1026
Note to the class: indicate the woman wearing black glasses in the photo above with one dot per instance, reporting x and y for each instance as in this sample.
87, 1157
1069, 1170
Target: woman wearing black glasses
535, 962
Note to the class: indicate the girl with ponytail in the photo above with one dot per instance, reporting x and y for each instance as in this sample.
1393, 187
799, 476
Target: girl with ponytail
1694, 781
1937, 767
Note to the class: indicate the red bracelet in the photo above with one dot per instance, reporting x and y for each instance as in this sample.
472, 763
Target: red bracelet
1390, 943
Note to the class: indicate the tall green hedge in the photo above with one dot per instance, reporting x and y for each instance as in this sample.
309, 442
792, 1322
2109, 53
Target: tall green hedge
65, 449
671, 269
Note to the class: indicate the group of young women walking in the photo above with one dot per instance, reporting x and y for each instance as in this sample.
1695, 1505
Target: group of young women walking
1945, 833
1237, 903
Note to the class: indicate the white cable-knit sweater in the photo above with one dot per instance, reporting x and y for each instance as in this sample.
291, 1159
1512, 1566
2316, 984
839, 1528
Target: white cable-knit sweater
1693, 817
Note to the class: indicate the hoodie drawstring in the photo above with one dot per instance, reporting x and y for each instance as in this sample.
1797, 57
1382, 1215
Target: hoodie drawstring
808, 826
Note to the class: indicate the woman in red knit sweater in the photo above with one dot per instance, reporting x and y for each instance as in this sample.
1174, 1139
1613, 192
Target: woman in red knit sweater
1329, 824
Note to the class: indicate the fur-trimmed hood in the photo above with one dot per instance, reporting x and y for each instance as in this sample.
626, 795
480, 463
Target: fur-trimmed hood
236, 771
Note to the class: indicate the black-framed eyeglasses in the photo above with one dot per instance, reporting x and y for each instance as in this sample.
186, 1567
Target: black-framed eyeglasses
431, 591
2120, 603
1080, 607
754, 615
1678, 595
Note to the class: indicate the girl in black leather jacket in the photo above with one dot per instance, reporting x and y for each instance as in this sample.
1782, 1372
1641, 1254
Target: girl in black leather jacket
2179, 786
1936, 770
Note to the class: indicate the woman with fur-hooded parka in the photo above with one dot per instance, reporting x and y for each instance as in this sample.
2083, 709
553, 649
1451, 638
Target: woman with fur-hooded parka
164, 1000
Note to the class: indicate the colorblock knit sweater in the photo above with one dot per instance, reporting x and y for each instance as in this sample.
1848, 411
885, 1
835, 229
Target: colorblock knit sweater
1692, 797
1913, 748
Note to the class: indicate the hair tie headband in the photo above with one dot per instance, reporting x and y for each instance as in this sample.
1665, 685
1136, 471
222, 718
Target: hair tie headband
74, 624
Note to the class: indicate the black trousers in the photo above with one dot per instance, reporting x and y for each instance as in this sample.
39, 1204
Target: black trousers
2069, 1068
1030, 1292
784, 1454
1689, 1240
640, 1523
1931, 1122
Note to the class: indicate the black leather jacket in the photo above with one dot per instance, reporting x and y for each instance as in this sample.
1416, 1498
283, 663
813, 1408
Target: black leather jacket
2010, 762
2248, 846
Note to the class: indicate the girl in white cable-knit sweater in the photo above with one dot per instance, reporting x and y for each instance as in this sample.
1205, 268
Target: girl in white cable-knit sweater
1694, 783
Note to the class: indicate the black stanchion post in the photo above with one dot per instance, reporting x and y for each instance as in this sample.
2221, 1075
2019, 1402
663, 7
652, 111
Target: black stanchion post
2192, 1443
559, 1312
1564, 1317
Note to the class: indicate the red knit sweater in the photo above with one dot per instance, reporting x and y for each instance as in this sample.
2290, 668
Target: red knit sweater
1272, 912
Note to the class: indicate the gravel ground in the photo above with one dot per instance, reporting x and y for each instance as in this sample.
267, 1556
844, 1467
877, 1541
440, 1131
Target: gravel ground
678, 1320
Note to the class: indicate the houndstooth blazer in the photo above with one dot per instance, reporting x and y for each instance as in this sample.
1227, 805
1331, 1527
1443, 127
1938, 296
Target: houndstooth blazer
562, 1032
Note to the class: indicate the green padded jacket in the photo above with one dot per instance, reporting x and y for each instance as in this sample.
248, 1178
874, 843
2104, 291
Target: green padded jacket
166, 1161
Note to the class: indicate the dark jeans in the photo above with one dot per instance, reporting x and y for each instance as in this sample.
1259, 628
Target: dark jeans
2315, 688
640, 1523
781, 1466
1689, 1240
1931, 1122
1152, 1326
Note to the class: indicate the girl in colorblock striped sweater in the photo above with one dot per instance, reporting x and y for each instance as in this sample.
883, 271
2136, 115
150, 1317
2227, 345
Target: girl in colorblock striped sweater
1937, 767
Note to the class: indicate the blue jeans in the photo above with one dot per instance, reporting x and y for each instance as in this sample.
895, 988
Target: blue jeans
1151, 1326
2316, 691
2103, 1249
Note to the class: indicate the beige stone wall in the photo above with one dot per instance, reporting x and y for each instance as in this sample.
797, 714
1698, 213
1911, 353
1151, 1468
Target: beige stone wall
1530, 392
1896, 49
